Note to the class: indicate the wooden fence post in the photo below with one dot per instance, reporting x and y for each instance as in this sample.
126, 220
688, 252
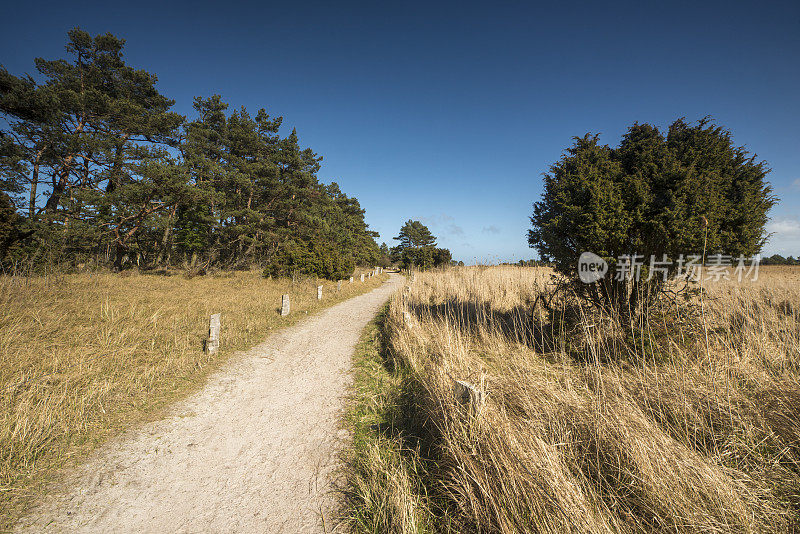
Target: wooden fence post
468, 394
339, 286
212, 345
284, 305
319, 292
362, 277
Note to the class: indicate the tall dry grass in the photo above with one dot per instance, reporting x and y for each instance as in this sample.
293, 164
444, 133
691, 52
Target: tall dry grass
83, 356
587, 426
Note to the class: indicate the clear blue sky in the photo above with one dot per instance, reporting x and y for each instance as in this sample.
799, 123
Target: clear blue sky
450, 112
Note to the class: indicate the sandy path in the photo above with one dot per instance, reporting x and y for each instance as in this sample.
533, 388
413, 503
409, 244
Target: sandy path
251, 452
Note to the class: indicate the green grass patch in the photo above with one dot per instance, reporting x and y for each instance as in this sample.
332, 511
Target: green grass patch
384, 489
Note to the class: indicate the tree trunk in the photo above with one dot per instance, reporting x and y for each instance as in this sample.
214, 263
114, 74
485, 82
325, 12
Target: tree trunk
166, 245
34, 185
114, 179
119, 255
59, 186
62, 177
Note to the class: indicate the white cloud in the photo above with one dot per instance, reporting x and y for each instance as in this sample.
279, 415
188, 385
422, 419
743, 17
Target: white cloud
454, 229
442, 225
435, 220
491, 229
785, 238
784, 227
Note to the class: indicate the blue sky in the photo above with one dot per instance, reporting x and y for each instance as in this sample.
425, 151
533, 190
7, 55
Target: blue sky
450, 112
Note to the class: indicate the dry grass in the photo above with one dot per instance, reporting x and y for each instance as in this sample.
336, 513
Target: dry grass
586, 428
84, 356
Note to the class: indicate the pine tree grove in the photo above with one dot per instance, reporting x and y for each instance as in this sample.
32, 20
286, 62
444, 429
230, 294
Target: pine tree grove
96, 169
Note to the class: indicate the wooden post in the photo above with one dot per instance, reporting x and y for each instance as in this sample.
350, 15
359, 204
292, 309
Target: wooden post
212, 345
319, 292
285, 306
362, 277
468, 394
351, 279
339, 285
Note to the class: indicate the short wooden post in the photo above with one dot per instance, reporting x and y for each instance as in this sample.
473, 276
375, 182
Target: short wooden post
285, 306
362, 277
212, 345
469, 395
339, 285
319, 292
351, 279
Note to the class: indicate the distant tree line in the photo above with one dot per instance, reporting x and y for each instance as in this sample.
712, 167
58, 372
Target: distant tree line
95, 167
533, 263
777, 259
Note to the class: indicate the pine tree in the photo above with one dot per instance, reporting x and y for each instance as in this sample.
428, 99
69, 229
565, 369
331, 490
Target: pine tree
415, 234
111, 173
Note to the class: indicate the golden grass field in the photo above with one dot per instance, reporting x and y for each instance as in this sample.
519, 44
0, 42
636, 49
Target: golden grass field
585, 428
84, 356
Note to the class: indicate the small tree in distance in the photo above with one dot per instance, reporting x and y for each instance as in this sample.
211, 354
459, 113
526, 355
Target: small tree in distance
415, 234
417, 247
655, 195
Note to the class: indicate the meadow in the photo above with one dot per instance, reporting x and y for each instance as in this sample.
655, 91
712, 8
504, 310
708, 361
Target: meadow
687, 421
85, 356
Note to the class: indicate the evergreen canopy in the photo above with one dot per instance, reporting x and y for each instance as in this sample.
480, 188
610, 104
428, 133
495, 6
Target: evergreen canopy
652, 196
104, 170
417, 247
415, 234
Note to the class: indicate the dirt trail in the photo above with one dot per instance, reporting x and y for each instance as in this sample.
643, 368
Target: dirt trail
253, 451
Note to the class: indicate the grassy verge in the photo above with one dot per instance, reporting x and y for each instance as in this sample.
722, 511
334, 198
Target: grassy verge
82, 357
385, 474
687, 423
